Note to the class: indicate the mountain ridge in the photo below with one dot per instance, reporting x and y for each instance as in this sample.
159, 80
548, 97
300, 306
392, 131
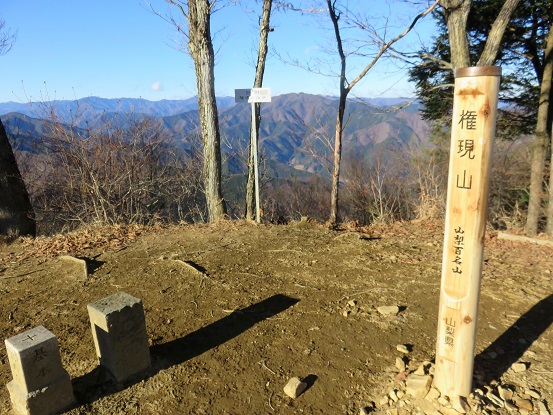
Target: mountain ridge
294, 127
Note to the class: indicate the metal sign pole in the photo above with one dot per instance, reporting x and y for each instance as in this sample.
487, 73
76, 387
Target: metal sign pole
256, 168
473, 130
253, 96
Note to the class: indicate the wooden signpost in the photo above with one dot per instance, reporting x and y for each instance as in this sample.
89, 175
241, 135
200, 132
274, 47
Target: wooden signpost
473, 130
253, 96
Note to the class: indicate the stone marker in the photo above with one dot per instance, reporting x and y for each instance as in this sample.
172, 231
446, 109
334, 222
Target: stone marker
120, 337
79, 270
40, 385
294, 387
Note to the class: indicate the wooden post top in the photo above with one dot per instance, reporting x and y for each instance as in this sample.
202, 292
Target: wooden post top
478, 71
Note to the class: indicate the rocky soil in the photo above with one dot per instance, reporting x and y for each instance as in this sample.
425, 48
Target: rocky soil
234, 311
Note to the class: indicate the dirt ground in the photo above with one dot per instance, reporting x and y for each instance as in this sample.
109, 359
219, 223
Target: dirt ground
234, 310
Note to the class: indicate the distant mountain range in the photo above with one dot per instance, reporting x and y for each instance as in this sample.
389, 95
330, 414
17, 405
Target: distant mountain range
91, 107
293, 126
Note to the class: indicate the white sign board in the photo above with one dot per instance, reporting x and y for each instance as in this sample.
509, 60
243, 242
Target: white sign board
252, 95
260, 95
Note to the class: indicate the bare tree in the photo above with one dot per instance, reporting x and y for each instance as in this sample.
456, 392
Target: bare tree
200, 47
346, 87
16, 211
264, 29
542, 141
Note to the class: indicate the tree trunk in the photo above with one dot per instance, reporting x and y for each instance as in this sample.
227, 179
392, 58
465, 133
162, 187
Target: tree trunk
456, 14
489, 54
258, 83
16, 213
547, 79
334, 193
541, 142
344, 90
201, 50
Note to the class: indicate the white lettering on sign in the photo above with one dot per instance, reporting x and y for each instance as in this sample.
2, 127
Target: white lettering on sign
252, 95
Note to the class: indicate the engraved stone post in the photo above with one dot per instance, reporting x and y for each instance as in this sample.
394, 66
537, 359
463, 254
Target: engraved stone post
120, 337
40, 385
473, 130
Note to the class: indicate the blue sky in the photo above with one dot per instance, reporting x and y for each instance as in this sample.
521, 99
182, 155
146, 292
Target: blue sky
69, 49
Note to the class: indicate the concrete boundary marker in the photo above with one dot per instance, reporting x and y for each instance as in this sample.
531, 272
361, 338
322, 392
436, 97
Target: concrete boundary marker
120, 338
40, 384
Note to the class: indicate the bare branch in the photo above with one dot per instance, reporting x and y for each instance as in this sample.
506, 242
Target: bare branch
387, 45
443, 64
7, 39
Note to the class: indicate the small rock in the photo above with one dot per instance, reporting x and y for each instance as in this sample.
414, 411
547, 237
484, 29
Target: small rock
510, 407
476, 408
363, 411
505, 393
294, 387
519, 367
400, 364
523, 403
449, 411
460, 404
533, 394
492, 355
443, 400
393, 411
393, 396
402, 348
400, 394
401, 376
433, 394
346, 313
383, 401
352, 303
388, 310
422, 369
418, 386
496, 400
543, 408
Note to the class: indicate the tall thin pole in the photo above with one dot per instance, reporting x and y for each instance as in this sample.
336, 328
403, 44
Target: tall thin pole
472, 134
256, 167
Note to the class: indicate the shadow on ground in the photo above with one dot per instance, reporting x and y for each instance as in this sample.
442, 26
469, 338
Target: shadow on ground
511, 345
98, 383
